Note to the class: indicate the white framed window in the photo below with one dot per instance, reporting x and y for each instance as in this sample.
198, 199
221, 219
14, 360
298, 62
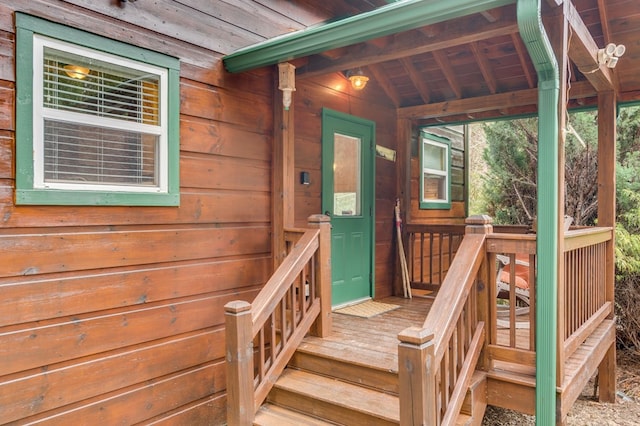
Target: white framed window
99, 122
435, 175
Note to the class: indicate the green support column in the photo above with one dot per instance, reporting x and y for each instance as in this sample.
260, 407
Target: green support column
535, 38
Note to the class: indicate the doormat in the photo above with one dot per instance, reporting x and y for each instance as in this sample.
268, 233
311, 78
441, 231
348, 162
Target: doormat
367, 309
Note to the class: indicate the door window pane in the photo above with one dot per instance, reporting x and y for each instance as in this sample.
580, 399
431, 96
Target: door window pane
347, 185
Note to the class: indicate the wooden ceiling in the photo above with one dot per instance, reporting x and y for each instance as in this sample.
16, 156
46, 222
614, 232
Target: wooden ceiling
477, 62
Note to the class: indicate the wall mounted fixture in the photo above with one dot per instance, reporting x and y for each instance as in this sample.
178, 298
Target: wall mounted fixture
357, 78
76, 71
287, 82
610, 54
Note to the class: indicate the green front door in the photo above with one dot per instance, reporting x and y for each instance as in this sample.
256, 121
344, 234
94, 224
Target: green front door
348, 197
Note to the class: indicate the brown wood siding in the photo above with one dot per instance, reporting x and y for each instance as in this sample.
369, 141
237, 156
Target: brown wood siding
114, 315
311, 96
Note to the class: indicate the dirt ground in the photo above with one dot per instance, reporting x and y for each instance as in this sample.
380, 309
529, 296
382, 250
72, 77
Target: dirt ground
588, 411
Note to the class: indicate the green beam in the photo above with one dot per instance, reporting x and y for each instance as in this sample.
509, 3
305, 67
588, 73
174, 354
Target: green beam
389, 19
541, 52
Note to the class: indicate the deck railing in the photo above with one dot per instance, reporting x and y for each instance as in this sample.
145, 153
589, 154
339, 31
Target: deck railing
431, 249
512, 306
585, 299
431, 357
437, 359
262, 336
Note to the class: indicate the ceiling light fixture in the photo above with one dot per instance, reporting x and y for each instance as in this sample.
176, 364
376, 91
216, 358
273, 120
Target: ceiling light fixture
76, 71
357, 78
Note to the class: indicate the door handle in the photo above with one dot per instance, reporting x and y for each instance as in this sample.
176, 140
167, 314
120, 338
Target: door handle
326, 213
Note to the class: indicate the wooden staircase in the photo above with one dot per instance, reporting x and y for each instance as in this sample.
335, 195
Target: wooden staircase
325, 384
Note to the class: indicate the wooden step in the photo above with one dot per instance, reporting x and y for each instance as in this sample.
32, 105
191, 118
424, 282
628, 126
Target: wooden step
334, 400
475, 401
272, 415
355, 366
512, 390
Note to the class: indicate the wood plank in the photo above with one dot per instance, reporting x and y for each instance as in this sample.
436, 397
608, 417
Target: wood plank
208, 410
141, 402
7, 66
85, 250
6, 154
205, 136
29, 299
333, 400
78, 17
7, 99
249, 110
179, 21
213, 172
311, 359
197, 206
23, 396
42, 344
584, 362
273, 415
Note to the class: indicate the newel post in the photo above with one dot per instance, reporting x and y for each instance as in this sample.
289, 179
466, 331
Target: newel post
322, 326
483, 224
417, 376
239, 341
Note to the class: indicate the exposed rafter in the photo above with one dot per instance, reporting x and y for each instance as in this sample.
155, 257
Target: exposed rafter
416, 79
460, 31
383, 81
529, 73
485, 67
445, 66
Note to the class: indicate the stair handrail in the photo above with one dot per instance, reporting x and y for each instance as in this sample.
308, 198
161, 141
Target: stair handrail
453, 320
296, 300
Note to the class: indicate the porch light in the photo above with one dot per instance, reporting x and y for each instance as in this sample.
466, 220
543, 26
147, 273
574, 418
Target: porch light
287, 82
76, 71
610, 54
357, 78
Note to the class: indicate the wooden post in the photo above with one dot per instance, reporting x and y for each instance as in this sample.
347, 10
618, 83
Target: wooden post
607, 217
239, 341
416, 373
403, 189
322, 326
282, 171
482, 224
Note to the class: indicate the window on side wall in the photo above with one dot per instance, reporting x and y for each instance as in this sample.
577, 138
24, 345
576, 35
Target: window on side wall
435, 172
97, 119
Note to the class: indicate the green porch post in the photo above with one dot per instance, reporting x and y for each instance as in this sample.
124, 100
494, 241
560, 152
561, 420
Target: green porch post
539, 47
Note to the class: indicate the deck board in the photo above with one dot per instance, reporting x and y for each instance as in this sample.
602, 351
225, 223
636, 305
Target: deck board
371, 341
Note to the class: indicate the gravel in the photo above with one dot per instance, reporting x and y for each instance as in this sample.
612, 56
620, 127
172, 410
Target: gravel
587, 411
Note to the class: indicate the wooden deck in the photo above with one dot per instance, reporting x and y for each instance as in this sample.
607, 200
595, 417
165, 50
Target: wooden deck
371, 342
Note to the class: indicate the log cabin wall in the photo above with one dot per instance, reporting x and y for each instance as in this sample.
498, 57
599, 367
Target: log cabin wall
114, 315
333, 91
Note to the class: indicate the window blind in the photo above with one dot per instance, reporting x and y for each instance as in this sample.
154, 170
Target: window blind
84, 99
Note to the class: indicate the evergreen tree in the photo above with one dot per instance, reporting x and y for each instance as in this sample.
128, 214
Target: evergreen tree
510, 184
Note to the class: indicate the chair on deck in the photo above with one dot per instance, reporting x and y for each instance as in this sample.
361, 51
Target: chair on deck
521, 271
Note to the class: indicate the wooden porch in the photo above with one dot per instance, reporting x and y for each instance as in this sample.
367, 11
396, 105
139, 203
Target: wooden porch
437, 359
